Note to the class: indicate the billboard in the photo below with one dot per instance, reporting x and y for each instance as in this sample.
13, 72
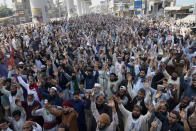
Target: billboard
138, 4
37, 14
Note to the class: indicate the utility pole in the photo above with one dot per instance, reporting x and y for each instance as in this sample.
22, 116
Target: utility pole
194, 11
59, 8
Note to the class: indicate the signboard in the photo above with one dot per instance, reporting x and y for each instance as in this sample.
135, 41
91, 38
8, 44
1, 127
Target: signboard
137, 4
37, 14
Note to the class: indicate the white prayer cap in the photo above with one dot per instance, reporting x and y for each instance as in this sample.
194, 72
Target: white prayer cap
43, 66
160, 52
132, 57
97, 85
54, 88
160, 87
45, 101
88, 44
123, 88
21, 63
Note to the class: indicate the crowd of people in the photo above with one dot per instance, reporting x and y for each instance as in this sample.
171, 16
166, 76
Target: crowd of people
98, 73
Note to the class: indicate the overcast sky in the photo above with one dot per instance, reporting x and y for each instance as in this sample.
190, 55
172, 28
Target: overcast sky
9, 2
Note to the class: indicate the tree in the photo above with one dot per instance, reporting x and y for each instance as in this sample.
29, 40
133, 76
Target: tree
4, 12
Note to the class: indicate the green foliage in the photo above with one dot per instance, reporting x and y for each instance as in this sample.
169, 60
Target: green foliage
4, 12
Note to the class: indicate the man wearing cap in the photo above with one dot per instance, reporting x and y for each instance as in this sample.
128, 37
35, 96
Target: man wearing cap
68, 114
52, 97
122, 94
31, 104
50, 122
158, 95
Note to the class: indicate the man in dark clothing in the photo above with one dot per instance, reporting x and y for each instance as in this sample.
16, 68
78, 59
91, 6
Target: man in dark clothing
79, 106
170, 122
90, 79
102, 108
52, 96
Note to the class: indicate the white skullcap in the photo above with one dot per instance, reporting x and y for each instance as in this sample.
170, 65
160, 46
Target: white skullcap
21, 63
54, 88
97, 85
123, 88
45, 101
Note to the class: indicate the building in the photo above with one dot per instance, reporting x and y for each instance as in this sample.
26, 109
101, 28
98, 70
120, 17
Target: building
180, 9
22, 10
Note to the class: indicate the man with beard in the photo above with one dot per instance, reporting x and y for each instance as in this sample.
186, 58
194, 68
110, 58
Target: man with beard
142, 98
68, 114
134, 119
139, 79
15, 91
52, 97
172, 79
50, 122
185, 104
90, 79
171, 121
123, 95
32, 85
103, 119
189, 90
113, 83
79, 105
31, 104
101, 108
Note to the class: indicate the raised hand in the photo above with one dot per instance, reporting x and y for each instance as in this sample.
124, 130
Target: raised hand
7, 107
129, 78
154, 124
56, 73
61, 95
35, 69
183, 114
151, 108
19, 103
111, 103
87, 95
117, 99
14, 80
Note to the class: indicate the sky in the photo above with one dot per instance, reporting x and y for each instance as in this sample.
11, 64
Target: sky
184, 2
9, 2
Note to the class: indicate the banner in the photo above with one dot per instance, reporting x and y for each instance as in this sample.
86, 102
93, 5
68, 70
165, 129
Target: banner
138, 4
37, 14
